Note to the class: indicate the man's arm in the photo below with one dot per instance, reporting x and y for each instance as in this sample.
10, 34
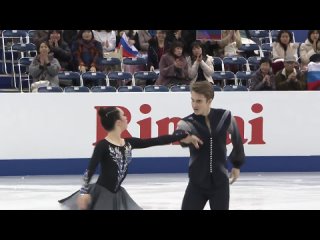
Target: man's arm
237, 155
188, 127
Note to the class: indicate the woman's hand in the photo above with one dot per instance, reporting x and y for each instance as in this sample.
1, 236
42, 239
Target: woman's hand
93, 69
82, 69
83, 201
199, 58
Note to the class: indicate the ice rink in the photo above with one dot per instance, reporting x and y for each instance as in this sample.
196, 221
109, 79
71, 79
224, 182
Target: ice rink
252, 191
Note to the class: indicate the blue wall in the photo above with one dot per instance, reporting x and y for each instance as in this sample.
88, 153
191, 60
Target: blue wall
300, 35
156, 165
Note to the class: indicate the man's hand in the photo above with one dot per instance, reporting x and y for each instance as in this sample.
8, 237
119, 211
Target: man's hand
293, 77
192, 139
234, 175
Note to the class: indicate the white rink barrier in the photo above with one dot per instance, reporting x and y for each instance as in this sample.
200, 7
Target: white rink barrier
54, 133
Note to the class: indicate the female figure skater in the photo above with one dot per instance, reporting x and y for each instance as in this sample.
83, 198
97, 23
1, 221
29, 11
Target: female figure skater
114, 155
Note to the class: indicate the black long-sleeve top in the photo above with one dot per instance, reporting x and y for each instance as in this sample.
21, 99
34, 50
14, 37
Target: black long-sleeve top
114, 160
207, 166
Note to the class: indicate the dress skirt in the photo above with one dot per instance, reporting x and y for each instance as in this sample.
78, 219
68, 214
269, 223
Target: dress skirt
102, 199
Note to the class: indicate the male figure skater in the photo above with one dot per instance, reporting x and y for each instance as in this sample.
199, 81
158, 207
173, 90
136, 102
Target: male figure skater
208, 175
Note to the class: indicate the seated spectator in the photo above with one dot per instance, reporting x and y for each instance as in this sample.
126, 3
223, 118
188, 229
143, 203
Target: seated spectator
143, 37
200, 65
87, 52
173, 67
230, 42
282, 48
289, 78
157, 47
310, 47
107, 38
185, 36
263, 79
60, 49
45, 67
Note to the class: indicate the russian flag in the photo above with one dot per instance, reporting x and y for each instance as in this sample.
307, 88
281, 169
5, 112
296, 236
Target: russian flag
313, 76
127, 49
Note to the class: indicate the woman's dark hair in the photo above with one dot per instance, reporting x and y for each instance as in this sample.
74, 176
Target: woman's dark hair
198, 44
175, 44
279, 38
45, 42
108, 117
309, 34
57, 31
82, 31
265, 60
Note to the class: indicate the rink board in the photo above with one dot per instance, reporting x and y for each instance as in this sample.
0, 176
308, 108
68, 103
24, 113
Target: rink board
55, 133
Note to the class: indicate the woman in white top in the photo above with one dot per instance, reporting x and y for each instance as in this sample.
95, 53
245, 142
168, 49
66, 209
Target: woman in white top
231, 41
284, 46
107, 38
310, 47
200, 66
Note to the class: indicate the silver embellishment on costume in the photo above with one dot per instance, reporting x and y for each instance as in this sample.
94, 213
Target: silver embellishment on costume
128, 153
122, 161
